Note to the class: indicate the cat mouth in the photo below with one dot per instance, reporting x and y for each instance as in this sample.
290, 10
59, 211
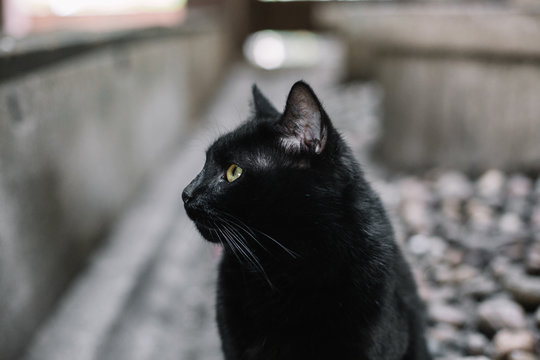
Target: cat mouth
196, 214
209, 233
201, 219
204, 225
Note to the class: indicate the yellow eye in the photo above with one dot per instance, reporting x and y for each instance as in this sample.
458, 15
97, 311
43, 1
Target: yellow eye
233, 172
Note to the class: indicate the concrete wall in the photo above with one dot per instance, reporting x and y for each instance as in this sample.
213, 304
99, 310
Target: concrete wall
76, 139
460, 113
460, 82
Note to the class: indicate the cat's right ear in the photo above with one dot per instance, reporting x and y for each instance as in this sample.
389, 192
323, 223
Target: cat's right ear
261, 105
304, 124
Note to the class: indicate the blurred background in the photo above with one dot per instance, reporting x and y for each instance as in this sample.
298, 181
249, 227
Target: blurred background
106, 107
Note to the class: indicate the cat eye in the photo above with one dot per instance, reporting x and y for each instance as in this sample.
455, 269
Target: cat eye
233, 172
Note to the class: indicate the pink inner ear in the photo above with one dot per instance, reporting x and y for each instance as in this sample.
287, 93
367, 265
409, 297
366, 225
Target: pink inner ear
302, 120
308, 130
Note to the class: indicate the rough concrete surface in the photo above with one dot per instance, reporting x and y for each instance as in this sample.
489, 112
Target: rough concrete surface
76, 140
70, 156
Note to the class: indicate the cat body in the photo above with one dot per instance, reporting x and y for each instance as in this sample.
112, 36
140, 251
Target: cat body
310, 269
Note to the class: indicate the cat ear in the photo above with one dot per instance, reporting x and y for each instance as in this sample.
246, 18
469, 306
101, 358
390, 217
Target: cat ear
304, 123
261, 106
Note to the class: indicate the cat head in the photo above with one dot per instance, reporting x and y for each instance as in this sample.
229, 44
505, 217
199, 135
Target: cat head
273, 173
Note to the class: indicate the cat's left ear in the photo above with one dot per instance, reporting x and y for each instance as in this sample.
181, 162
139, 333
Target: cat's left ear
261, 105
304, 124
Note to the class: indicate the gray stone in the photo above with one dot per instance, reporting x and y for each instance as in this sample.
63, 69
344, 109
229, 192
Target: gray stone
524, 288
490, 184
514, 250
498, 313
451, 209
432, 246
463, 273
414, 207
535, 217
413, 189
443, 275
536, 190
440, 294
532, 262
519, 185
499, 267
419, 244
518, 205
480, 214
448, 314
521, 355
416, 216
476, 344
506, 341
480, 286
477, 254
510, 223
445, 337
453, 185
454, 256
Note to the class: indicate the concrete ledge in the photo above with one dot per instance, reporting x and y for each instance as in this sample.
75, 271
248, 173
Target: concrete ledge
476, 31
19, 56
77, 138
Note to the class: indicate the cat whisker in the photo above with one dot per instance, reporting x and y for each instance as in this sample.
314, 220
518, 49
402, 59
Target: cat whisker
234, 220
293, 254
252, 232
248, 232
247, 252
227, 241
242, 228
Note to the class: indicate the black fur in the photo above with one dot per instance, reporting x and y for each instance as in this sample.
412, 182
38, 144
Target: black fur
310, 269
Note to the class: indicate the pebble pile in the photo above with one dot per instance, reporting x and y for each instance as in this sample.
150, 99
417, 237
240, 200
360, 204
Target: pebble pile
474, 245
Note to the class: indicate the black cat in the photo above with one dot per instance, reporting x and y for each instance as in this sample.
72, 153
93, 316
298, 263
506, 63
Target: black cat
310, 269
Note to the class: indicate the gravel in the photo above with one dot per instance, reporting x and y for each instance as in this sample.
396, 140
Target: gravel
513, 341
498, 313
474, 245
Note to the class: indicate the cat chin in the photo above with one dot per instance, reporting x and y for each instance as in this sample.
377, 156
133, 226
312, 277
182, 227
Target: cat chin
207, 233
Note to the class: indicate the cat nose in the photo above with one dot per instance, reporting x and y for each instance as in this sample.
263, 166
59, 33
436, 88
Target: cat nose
191, 190
186, 196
